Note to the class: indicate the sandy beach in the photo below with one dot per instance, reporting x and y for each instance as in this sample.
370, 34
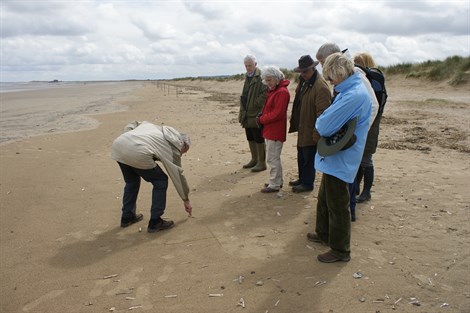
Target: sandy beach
62, 249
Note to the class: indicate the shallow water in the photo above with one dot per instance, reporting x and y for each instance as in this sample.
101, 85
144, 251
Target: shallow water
30, 109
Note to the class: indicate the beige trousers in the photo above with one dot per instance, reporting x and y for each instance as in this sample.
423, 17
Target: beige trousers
273, 158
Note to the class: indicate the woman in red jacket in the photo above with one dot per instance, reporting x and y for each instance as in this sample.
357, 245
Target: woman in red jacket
273, 120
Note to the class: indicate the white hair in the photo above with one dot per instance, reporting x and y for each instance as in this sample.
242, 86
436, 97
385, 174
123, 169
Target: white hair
251, 58
186, 140
327, 49
272, 71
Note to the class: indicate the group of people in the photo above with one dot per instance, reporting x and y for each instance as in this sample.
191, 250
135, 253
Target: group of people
336, 135
317, 112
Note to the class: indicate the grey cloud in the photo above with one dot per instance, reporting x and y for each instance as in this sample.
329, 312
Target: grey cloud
43, 27
165, 39
33, 7
410, 19
41, 19
155, 31
208, 10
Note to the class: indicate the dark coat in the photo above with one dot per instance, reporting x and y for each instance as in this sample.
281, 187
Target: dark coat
373, 135
252, 100
314, 99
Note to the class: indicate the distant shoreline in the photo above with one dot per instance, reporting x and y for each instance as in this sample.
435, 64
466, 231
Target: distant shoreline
33, 110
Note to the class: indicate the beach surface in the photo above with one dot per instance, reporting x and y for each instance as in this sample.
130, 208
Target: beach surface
62, 249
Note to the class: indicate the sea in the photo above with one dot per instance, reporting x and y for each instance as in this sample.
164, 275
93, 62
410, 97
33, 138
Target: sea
38, 85
35, 108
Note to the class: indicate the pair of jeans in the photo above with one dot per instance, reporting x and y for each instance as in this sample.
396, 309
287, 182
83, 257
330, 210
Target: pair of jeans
333, 224
132, 177
306, 165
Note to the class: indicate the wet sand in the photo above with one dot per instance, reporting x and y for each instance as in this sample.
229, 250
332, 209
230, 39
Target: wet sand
55, 108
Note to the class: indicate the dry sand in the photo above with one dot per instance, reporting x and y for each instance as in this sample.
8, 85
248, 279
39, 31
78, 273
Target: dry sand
62, 249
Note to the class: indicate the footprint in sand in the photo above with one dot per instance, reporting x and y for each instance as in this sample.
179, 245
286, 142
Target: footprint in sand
98, 289
167, 270
48, 296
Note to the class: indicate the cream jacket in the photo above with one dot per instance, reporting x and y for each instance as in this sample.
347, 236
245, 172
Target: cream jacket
142, 144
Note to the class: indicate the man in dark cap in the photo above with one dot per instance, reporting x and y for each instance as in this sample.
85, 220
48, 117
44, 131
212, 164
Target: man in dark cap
312, 97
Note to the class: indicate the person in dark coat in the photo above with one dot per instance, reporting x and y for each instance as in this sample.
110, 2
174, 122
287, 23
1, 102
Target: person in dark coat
366, 170
312, 97
251, 103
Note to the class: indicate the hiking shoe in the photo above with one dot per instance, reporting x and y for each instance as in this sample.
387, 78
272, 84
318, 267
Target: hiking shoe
131, 220
363, 197
293, 183
329, 257
158, 225
301, 188
313, 237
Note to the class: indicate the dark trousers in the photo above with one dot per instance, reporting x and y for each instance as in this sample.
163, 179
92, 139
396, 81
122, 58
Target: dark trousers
132, 176
306, 165
333, 223
352, 197
254, 134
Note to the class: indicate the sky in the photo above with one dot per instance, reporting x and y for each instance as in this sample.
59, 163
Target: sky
80, 40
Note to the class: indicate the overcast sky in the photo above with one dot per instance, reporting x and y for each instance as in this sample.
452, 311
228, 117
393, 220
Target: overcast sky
113, 40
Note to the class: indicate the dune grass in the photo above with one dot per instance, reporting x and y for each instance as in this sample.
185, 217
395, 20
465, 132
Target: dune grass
455, 70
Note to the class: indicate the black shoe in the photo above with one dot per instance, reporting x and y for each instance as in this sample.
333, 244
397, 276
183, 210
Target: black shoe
295, 182
363, 197
131, 220
158, 225
313, 237
301, 188
329, 257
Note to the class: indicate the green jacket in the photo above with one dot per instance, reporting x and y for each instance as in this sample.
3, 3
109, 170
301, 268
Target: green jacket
252, 100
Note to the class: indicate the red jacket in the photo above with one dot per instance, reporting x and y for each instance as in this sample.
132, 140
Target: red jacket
274, 114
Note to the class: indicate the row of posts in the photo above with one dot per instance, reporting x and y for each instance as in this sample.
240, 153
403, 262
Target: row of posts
166, 88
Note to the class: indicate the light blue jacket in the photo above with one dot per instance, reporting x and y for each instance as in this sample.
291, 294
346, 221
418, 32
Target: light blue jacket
353, 100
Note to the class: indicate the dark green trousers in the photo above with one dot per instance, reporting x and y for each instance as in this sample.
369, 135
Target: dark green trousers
333, 224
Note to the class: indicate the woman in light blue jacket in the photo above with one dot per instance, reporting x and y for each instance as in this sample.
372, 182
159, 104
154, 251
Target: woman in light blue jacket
333, 221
